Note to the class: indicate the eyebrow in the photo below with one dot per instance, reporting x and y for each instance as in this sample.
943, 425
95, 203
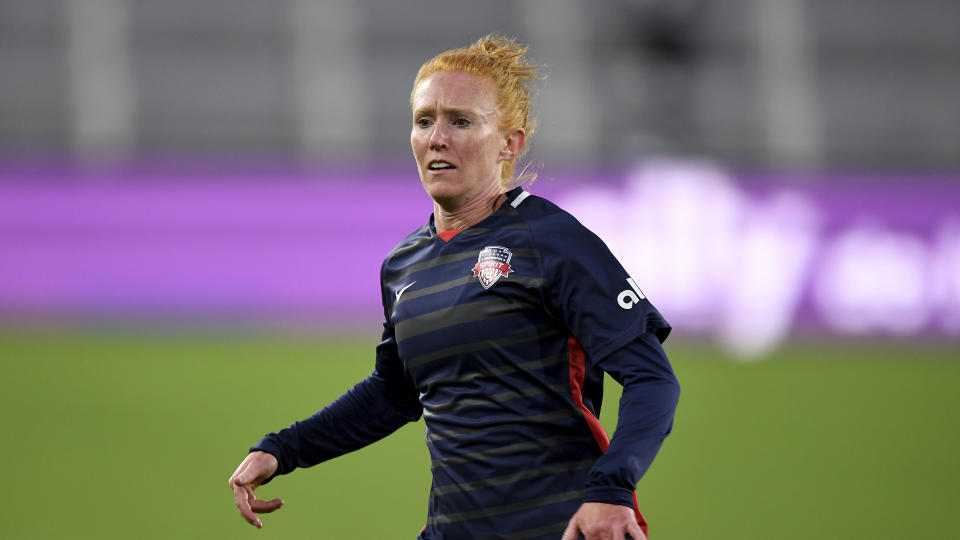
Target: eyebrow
430, 109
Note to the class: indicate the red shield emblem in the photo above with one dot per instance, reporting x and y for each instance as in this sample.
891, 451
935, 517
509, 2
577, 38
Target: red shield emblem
492, 264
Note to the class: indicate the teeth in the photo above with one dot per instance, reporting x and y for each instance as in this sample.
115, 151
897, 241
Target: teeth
441, 165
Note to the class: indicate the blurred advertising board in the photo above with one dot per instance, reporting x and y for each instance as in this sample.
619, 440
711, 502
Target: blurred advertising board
748, 259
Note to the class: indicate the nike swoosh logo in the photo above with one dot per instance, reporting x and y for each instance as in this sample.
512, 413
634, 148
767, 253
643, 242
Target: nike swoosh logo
403, 289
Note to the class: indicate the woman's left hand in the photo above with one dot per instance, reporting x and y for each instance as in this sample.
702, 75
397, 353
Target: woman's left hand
601, 521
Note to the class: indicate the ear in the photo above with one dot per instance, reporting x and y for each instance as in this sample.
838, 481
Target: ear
514, 141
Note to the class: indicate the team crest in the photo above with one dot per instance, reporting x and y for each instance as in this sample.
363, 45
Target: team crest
492, 264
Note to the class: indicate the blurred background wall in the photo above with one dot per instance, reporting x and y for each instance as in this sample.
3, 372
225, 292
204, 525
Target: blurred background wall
764, 168
798, 84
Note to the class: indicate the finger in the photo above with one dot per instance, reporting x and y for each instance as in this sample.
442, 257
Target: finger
570, 533
236, 473
258, 467
247, 476
265, 507
245, 480
242, 496
635, 531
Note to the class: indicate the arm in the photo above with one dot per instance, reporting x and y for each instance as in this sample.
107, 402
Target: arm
620, 331
650, 395
371, 410
647, 405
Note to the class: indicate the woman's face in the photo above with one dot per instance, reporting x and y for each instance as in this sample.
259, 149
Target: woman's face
455, 138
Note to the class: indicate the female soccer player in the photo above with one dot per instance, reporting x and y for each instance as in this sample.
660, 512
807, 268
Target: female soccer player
501, 315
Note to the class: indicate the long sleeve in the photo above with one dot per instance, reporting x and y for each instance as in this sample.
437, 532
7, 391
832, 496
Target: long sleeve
647, 405
371, 410
620, 332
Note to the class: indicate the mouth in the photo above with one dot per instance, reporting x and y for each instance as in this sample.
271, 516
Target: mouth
440, 165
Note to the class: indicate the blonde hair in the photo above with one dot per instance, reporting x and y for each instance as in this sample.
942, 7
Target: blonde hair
501, 59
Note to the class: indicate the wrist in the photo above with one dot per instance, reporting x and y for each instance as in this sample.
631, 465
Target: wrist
609, 495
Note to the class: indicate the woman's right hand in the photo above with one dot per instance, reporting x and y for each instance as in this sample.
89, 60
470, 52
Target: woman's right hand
253, 471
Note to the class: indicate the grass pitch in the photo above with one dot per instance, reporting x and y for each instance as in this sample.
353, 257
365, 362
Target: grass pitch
134, 436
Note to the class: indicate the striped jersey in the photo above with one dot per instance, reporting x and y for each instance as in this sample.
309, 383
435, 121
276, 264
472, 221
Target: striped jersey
499, 338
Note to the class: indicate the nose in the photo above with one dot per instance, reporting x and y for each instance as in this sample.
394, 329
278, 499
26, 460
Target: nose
438, 137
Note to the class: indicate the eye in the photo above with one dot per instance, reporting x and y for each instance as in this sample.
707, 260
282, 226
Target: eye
423, 122
462, 122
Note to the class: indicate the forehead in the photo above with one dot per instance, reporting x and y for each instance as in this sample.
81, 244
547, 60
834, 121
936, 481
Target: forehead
455, 89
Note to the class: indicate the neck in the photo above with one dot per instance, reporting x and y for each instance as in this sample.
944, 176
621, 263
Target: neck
472, 211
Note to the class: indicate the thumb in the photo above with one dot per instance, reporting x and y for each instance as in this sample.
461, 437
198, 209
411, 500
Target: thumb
265, 507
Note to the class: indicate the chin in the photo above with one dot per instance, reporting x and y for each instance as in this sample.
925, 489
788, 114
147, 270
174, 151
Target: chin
441, 190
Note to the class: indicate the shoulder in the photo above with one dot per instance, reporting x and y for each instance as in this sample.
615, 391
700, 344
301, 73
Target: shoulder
409, 245
410, 241
554, 229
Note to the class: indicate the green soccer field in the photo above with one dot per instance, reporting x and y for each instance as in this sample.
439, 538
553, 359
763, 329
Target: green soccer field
134, 436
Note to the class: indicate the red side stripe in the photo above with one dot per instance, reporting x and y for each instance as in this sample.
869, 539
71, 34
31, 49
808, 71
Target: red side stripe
578, 372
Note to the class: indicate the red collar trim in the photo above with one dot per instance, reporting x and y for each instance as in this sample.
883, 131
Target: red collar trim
446, 236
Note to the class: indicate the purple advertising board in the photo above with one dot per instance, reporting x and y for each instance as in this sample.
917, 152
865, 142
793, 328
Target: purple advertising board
747, 258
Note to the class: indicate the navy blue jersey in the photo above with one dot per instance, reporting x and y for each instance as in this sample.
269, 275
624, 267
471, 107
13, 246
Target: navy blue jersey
500, 338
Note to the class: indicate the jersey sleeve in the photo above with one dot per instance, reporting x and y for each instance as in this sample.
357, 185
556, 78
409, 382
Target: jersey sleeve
371, 410
645, 418
589, 291
621, 333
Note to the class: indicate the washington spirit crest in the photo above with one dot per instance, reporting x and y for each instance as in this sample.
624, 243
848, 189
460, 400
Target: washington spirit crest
492, 264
